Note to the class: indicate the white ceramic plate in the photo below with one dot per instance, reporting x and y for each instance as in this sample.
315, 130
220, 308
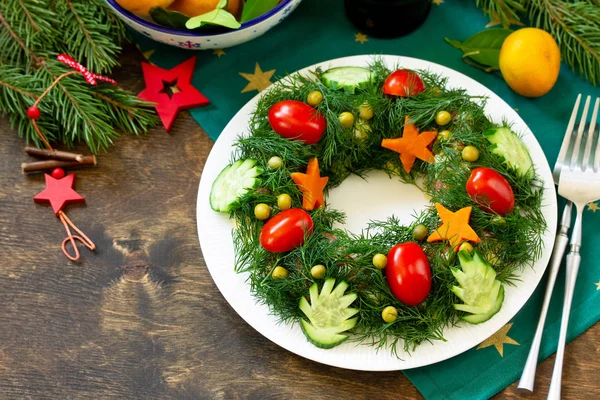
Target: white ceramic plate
214, 230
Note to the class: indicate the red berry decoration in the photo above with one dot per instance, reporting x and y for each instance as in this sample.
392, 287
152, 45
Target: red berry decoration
33, 112
58, 173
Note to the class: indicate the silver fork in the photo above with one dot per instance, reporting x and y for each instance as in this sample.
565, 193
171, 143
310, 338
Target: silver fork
527, 380
580, 183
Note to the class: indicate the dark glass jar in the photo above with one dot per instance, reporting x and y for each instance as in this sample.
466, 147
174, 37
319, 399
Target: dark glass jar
387, 18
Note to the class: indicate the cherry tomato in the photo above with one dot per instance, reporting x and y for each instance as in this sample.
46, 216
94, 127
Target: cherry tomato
408, 273
286, 230
293, 119
403, 83
491, 191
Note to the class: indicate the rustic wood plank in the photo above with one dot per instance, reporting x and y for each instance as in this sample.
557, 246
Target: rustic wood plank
140, 318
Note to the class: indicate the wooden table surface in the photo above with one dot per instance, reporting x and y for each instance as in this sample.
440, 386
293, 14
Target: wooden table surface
140, 318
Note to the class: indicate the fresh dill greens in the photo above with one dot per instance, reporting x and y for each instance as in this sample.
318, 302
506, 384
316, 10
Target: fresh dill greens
509, 243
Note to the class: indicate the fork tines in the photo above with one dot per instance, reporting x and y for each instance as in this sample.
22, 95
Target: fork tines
571, 145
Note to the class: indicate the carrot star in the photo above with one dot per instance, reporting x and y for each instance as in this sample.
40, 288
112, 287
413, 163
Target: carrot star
455, 227
411, 145
311, 184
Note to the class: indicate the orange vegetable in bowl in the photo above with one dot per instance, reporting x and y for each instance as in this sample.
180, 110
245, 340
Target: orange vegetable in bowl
192, 8
142, 7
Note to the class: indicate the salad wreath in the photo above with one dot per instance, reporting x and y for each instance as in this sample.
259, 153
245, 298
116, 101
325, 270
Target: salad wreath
391, 285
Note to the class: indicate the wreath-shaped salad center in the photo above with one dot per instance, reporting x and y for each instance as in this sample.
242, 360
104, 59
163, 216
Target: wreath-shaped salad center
393, 284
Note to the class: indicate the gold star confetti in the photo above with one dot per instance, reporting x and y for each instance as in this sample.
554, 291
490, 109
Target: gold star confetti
437, 2
498, 340
360, 37
597, 285
148, 53
219, 52
593, 207
495, 20
259, 80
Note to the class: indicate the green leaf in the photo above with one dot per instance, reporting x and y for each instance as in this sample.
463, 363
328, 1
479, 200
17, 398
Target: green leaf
483, 47
171, 19
216, 17
221, 4
256, 8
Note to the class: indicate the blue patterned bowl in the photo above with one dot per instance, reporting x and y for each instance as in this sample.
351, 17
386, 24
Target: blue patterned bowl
216, 39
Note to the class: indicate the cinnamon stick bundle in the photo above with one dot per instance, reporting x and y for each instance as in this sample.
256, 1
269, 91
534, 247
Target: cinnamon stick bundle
54, 154
47, 165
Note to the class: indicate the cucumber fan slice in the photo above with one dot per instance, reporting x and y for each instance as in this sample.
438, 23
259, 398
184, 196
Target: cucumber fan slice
478, 288
233, 182
328, 313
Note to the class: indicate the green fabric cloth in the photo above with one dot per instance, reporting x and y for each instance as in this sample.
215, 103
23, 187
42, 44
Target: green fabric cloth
315, 33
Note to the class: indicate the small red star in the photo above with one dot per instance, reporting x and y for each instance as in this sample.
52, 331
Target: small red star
171, 90
59, 193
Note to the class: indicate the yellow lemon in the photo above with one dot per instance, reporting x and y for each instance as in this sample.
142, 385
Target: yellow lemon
142, 7
530, 61
191, 8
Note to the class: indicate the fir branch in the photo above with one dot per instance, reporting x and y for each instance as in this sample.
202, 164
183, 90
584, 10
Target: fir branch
73, 111
83, 115
26, 32
505, 11
91, 34
18, 91
576, 27
128, 112
32, 32
9, 74
574, 24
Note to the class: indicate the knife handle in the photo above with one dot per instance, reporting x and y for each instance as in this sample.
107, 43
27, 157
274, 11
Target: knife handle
527, 380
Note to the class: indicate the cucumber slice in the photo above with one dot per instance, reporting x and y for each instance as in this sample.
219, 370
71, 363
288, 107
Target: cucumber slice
482, 317
347, 78
233, 182
507, 144
328, 313
479, 289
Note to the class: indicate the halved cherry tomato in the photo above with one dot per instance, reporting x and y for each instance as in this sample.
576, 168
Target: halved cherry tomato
403, 83
293, 119
286, 230
491, 191
408, 273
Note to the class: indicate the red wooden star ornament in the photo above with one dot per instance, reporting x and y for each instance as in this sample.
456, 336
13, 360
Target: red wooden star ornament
171, 90
59, 192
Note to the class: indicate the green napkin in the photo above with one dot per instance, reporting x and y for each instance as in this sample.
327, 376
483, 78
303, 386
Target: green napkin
315, 33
